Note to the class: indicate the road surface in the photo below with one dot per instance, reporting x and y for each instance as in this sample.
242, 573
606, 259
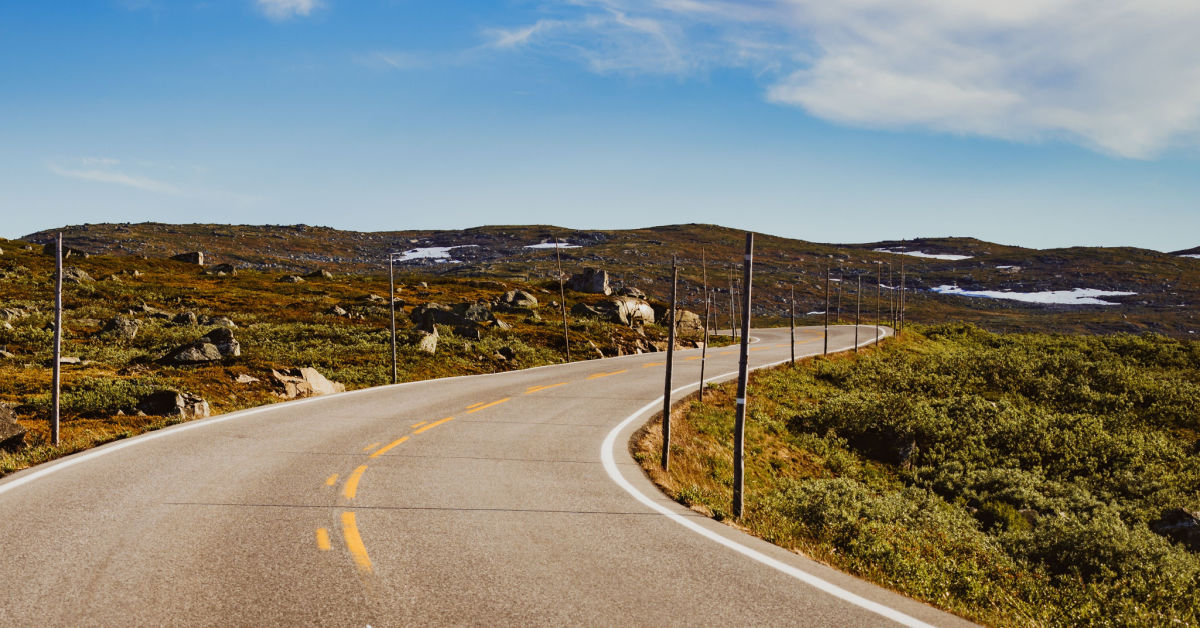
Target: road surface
494, 499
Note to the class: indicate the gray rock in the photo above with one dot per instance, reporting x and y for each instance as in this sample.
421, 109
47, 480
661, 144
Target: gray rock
427, 341
290, 279
630, 291
220, 321
499, 324
320, 273
12, 434
174, 404
12, 313
5, 354
519, 298
72, 274
475, 312
121, 327
1181, 526
507, 353
470, 332
243, 378
304, 382
217, 344
49, 249
194, 257
186, 318
337, 310
591, 280
221, 270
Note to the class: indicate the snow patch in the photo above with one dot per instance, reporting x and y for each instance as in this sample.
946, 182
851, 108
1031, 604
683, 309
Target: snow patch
946, 256
1005, 267
1078, 296
549, 245
435, 253
1191, 255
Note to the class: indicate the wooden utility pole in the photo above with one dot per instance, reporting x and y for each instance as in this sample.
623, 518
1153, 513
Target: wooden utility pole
732, 307
739, 427
878, 295
841, 280
392, 304
666, 415
903, 303
58, 325
857, 312
826, 350
793, 326
562, 300
707, 303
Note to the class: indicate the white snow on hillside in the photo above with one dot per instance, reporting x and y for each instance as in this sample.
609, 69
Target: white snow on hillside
946, 256
1191, 255
1078, 296
435, 253
550, 245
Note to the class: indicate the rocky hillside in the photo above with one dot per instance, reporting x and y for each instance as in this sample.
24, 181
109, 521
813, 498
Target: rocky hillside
943, 273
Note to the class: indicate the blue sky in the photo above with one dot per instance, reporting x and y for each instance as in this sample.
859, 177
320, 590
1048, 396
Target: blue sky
1048, 123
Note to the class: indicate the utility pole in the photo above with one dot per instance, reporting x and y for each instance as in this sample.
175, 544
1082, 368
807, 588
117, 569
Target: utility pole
58, 324
392, 303
732, 331
878, 294
841, 280
707, 302
739, 427
903, 303
857, 312
826, 350
666, 415
793, 291
562, 299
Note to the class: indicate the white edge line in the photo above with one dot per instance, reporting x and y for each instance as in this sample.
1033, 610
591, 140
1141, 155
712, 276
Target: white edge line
610, 466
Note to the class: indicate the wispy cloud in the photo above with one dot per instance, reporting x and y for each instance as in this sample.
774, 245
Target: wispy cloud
105, 170
287, 9
1117, 76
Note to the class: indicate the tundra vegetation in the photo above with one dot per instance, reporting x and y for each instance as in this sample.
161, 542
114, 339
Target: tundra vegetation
134, 312
1013, 479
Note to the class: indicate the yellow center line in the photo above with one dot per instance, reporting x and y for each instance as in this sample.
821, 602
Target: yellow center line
476, 405
725, 353
433, 425
533, 389
650, 364
323, 539
486, 406
760, 348
694, 357
416, 425
389, 446
354, 541
371, 446
332, 480
599, 375
351, 487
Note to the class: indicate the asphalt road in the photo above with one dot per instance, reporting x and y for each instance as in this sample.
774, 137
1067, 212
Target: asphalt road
494, 499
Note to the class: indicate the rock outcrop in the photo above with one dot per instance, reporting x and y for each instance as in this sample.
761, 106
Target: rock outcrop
290, 279
174, 404
49, 249
304, 382
12, 434
72, 274
122, 327
591, 280
628, 311
193, 257
320, 273
221, 270
217, 344
519, 298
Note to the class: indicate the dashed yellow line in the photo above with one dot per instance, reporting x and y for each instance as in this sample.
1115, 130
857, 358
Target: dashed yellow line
488, 405
599, 375
650, 364
725, 352
371, 446
351, 487
332, 480
323, 539
694, 357
760, 348
416, 425
533, 389
384, 449
354, 541
433, 425
476, 405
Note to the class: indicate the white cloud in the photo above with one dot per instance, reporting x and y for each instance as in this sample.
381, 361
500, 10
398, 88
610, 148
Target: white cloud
103, 171
1118, 76
285, 9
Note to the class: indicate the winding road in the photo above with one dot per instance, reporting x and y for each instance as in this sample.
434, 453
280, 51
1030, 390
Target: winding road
493, 499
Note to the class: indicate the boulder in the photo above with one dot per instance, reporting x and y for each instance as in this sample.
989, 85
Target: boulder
5, 354
470, 332
632, 311
185, 318
591, 280
49, 249
219, 321
519, 298
194, 257
121, 327
217, 344
375, 298
630, 291
427, 341
320, 273
474, 312
12, 313
507, 353
304, 382
12, 434
687, 321
337, 310
174, 404
72, 274
1181, 526
290, 279
243, 378
221, 270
